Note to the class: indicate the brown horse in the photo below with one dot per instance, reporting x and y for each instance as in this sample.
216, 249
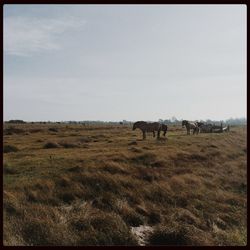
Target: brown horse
164, 128
148, 127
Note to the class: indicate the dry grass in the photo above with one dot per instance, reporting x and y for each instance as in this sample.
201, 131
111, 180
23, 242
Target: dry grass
89, 185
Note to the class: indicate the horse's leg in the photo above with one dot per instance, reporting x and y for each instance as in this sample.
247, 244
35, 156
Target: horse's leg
158, 134
144, 135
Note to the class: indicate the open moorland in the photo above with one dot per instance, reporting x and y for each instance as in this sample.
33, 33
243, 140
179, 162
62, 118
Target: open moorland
104, 185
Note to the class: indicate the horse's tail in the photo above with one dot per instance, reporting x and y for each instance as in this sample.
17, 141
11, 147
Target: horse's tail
164, 129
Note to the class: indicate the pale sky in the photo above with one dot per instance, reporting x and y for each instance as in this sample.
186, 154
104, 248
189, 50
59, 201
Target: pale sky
132, 62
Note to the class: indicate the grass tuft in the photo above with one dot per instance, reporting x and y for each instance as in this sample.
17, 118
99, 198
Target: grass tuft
51, 145
9, 149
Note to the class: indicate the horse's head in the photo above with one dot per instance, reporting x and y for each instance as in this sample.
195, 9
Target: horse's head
200, 124
184, 122
135, 125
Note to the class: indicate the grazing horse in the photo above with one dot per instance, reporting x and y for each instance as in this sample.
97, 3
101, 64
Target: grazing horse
164, 128
206, 128
148, 127
199, 124
189, 126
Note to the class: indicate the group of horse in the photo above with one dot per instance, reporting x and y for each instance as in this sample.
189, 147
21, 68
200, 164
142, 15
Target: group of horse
196, 127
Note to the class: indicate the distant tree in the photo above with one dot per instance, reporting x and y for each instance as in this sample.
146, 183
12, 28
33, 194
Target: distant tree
173, 119
167, 121
16, 121
236, 121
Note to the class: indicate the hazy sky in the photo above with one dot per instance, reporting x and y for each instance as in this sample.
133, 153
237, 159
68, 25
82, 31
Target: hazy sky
133, 62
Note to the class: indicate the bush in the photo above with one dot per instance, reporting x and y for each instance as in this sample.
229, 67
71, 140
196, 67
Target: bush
35, 130
133, 219
51, 145
12, 130
154, 218
16, 121
67, 197
84, 139
132, 143
136, 150
53, 129
8, 169
9, 149
168, 236
68, 144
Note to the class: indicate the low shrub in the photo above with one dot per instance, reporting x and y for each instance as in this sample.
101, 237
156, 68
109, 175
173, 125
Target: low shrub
67, 197
66, 144
53, 129
154, 218
35, 130
84, 139
9, 149
176, 234
7, 169
173, 236
51, 145
13, 130
132, 143
136, 150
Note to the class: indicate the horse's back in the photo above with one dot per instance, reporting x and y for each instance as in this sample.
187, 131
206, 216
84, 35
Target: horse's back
148, 126
154, 126
164, 127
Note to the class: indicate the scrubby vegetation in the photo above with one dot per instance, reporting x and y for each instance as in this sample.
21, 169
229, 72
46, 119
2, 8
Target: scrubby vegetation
95, 185
9, 149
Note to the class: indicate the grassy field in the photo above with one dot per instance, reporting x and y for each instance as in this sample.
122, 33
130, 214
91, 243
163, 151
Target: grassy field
103, 185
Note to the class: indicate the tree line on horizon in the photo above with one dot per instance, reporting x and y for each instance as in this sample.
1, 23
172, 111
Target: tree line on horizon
172, 121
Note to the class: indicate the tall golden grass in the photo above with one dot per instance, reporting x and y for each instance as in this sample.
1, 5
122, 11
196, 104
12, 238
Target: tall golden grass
89, 185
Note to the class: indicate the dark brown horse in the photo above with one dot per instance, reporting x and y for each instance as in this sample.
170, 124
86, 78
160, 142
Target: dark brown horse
164, 128
148, 127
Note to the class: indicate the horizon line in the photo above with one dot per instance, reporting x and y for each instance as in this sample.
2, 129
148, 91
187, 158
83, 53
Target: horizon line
121, 120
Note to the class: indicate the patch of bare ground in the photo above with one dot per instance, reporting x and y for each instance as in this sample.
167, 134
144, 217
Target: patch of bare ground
141, 233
